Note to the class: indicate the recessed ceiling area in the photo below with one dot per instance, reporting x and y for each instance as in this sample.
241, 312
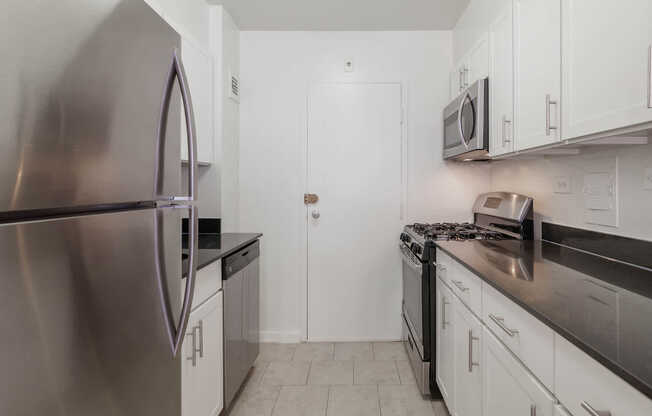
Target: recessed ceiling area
344, 14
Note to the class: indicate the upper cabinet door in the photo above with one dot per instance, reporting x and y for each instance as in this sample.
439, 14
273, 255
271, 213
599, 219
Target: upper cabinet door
478, 61
606, 65
537, 55
199, 70
501, 84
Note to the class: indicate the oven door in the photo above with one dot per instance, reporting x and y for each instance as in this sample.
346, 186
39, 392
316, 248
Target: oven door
466, 134
413, 296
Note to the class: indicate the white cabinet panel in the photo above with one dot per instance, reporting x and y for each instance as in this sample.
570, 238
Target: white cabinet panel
445, 373
580, 379
537, 54
605, 56
198, 65
202, 366
478, 61
501, 84
509, 389
468, 362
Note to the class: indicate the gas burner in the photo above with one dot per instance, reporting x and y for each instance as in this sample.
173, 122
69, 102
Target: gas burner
453, 231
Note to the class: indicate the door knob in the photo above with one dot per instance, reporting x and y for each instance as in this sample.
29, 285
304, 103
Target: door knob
316, 214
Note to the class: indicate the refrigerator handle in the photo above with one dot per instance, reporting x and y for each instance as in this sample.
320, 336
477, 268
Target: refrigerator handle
177, 72
176, 334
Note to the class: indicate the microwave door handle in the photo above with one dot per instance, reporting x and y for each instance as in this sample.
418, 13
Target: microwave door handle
459, 120
177, 72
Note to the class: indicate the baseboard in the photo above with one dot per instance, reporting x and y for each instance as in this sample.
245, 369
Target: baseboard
281, 337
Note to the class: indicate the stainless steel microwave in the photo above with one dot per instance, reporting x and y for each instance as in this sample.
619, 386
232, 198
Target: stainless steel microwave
466, 124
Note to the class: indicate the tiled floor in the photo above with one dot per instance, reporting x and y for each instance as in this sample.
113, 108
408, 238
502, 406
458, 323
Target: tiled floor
341, 379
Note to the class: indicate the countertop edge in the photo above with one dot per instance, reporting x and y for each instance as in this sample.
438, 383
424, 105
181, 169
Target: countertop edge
632, 380
225, 253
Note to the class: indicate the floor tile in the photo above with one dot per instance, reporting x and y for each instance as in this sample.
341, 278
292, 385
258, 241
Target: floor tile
258, 401
404, 401
286, 373
319, 351
353, 401
375, 372
301, 401
276, 352
440, 408
389, 351
353, 351
331, 372
405, 372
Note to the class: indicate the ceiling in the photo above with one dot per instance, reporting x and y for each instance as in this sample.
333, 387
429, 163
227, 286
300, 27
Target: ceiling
344, 14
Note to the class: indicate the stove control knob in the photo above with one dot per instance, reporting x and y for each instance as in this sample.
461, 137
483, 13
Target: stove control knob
316, 214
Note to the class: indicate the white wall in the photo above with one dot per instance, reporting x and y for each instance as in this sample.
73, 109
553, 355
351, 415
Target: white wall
535, 178
276, 71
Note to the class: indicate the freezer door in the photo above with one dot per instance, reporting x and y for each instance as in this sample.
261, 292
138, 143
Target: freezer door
83, 326
83, 87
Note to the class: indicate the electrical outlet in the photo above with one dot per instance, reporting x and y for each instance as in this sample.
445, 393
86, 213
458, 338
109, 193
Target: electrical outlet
562, 185
647, 181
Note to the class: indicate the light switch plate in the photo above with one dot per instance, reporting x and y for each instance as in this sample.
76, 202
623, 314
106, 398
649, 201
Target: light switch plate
647, 181
562, 185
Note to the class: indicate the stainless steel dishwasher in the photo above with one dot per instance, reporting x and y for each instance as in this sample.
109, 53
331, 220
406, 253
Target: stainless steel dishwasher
240, 275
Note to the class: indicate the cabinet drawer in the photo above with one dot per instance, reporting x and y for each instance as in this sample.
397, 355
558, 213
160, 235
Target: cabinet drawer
528, 338
466, 285
208, 283
580, 379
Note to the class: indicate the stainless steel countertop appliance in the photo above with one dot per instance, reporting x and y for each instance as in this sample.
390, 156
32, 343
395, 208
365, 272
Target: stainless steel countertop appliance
497, 216
466, 124
94, 315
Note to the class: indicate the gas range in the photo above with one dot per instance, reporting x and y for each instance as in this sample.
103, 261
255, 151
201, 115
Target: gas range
496, 216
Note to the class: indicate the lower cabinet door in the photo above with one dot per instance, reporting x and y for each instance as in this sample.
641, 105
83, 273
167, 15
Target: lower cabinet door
509, 389
202, 372
468, 362
446, 345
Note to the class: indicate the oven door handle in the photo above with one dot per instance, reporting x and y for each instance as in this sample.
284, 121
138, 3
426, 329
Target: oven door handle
408, 258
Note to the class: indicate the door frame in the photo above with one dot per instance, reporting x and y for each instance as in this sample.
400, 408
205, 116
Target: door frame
303, 219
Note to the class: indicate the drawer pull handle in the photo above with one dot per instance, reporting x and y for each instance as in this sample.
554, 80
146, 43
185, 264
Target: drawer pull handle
444, 302
590, 410
501, 324
471, 362
460, 286
533, 410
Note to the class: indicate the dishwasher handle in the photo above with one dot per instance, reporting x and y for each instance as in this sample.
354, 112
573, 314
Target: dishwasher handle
237, 261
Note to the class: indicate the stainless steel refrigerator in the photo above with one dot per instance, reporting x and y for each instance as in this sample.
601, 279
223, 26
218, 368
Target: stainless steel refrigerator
93, 309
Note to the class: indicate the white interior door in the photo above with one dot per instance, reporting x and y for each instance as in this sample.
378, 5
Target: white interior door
354, 166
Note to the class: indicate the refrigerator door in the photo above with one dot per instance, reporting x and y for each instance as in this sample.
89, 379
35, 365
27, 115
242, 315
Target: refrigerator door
83, 88
84, 328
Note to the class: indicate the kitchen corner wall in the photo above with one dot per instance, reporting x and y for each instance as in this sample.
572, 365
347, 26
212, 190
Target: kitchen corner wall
537, 178
277, 70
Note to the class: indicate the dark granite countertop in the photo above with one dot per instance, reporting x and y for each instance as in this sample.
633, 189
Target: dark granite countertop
602, 306
213, 247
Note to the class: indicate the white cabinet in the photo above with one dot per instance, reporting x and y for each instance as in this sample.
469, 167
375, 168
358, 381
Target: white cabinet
202, 366
198, 65
501, 84
606, 65
537, 59
472, 67
508, 388
582, 383
445, 330
468, 362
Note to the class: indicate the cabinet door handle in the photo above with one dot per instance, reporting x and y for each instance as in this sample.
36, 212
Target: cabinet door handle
460, 286
549, 127
501, 324
200, 329
444, 302
193, 357
466, 77
533, 410
590, 410
506, 137
649, 78
471, 362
